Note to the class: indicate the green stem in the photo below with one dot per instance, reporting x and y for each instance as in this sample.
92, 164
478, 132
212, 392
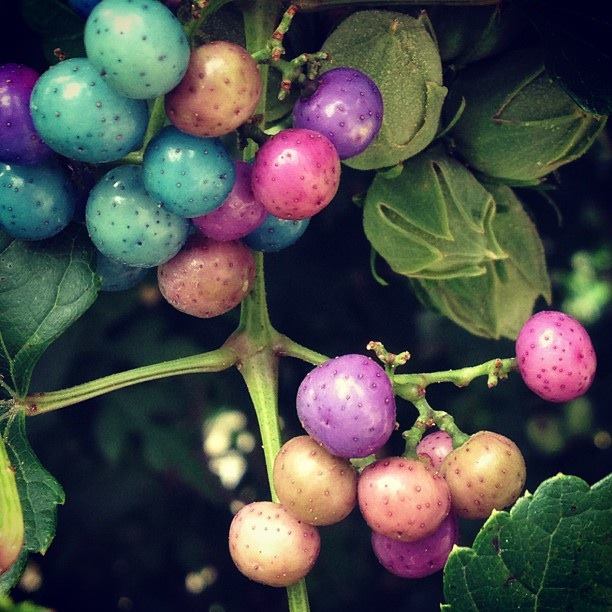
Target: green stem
212, 361
411, 386
289, 348
157, 118
193, 25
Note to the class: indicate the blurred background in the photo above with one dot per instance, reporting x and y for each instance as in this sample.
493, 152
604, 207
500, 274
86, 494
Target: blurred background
153, 474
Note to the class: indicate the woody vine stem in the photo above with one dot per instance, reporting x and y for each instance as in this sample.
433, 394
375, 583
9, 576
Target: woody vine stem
256, 347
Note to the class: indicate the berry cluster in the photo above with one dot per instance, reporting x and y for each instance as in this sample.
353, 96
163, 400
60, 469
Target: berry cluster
175, 199
411, 503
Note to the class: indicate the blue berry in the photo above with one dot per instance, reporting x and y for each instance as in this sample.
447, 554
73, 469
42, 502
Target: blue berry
115, 275
36, 202
78, 115
139, 47
192, 176
128, 225
275, 234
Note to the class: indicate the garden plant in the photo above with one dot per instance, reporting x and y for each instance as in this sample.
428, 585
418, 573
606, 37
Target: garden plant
167, 150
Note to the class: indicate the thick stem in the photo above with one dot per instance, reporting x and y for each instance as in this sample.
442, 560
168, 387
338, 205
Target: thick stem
212, 361
289, 348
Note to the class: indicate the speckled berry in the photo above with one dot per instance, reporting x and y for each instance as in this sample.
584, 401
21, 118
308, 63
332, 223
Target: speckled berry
555, 356
219, 91
115, 275
239, 214
487, 472
270, 546
139, 47
419, 558
404, 499
78, 115
296, 174
207, 278
128, 225
190, 175
343, 104
347, 405
435, 446
276, 234
19, 141
315, 486
36, 202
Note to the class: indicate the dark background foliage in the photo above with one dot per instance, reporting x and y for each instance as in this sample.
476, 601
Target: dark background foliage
145, 523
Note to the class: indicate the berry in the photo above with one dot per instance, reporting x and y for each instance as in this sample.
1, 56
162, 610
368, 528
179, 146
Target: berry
117, 276
419, 558
128, 225
219, 91
485, 473
296, 174
140, 48
239, 214
270, 546
36, 202
343, 104
207, 278
555, 356
11, 513
276, 234
404, 499
347, 405
435, 446
19, 141
78, 115
312, 484
190, 175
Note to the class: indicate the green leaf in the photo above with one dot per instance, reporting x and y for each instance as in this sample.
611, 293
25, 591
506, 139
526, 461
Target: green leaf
498, 302
39, 492
59, 26
432, 221
400, 54
44, 287
552, 551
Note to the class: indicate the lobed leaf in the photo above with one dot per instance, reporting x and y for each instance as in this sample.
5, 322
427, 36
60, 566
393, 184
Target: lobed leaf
552, 551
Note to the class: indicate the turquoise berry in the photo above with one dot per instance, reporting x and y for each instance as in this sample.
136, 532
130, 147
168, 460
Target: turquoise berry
115, 275
128, 225
192, 176
78, 115
36, 202
139, 47
275, 234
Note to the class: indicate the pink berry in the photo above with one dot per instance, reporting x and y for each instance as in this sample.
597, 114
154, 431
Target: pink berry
296, 174
404, 499
419, 558
435, 446
207, 278
239, 214
270, 546
555, 356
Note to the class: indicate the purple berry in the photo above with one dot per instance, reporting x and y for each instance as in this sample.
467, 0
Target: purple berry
419, 558
239, 214
19, 140
435, 447
347, 405
555, 356
343, 104
296, 174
